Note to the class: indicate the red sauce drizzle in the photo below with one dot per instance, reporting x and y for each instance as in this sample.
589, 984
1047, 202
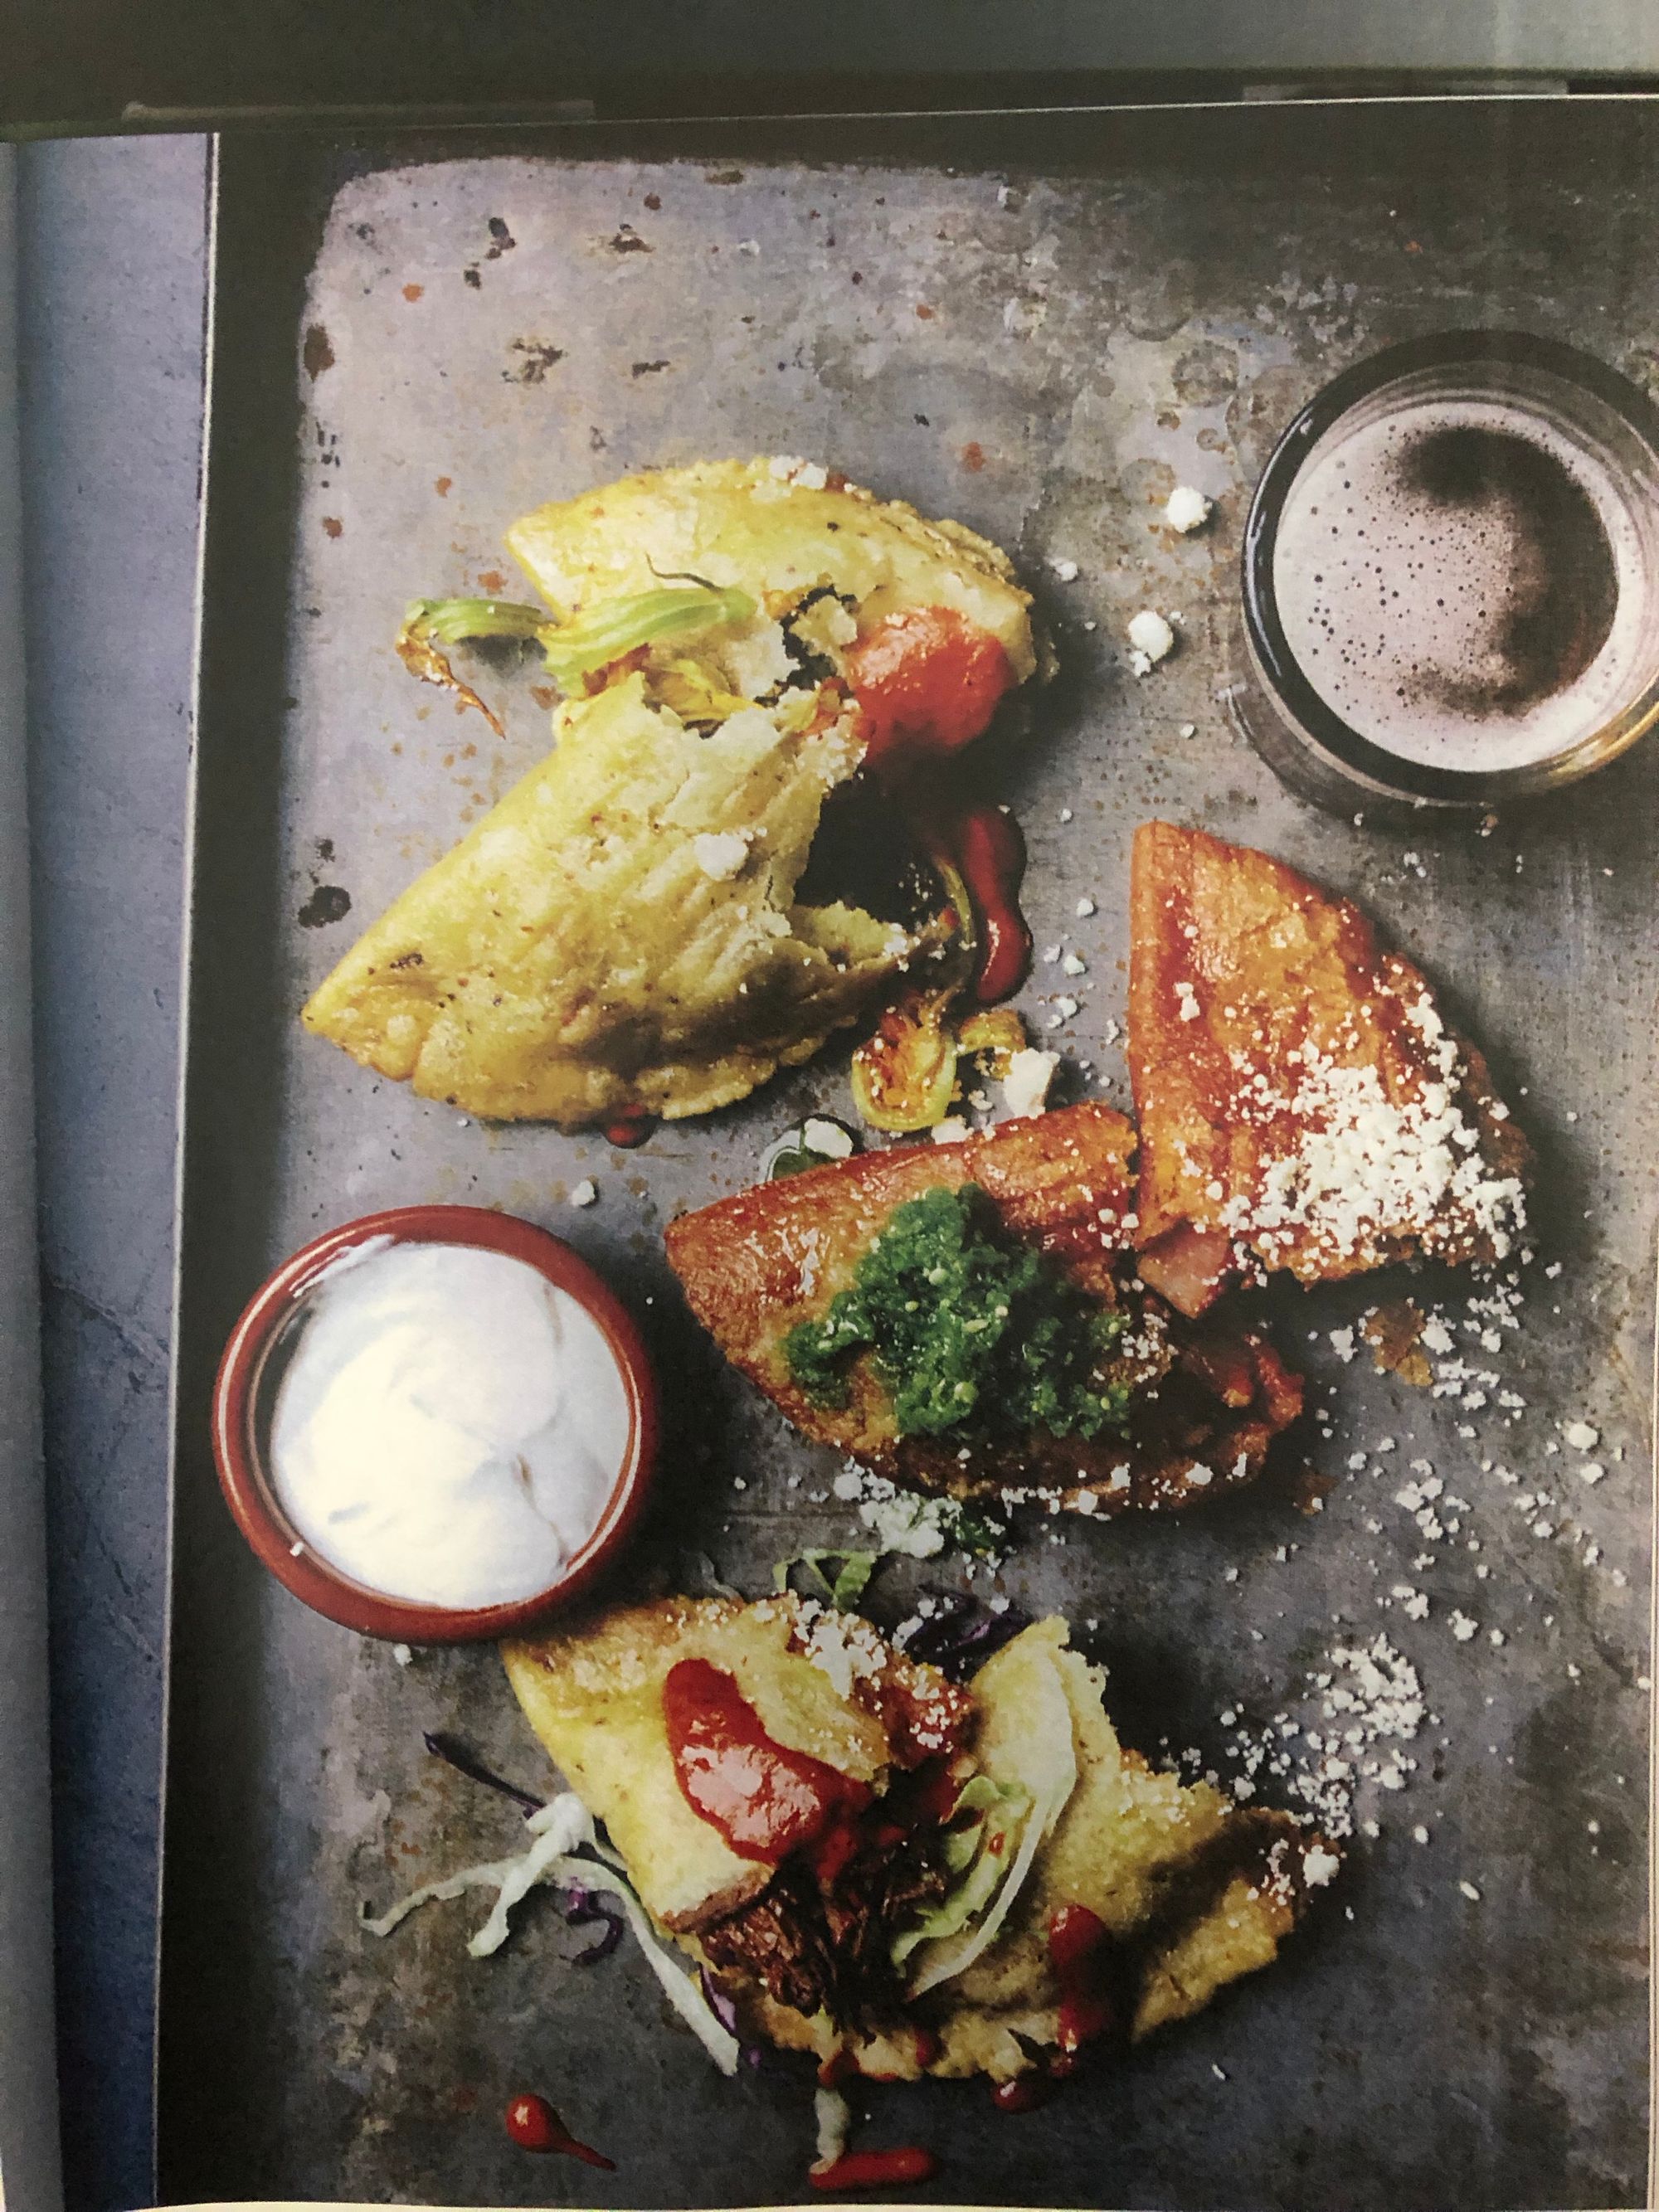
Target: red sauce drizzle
766, 1801
1075, 1938
928, 681
987, 849
877, 2169
534, 2125
1023, 2093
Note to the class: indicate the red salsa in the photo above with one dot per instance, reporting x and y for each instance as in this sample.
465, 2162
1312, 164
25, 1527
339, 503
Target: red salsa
766, 1801
877, 2169
1076, 1939
927, 680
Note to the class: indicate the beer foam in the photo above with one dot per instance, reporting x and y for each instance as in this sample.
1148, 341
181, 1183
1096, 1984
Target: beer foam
1462, 582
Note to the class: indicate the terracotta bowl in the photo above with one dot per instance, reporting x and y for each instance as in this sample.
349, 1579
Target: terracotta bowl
238, 1411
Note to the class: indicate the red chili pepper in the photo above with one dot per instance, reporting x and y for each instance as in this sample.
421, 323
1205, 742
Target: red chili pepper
987, 849
534, 2125
876, 2169
1022, 2094
839, 2066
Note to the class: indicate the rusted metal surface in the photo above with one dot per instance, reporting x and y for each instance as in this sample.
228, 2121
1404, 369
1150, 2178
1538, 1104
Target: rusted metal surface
1045, 355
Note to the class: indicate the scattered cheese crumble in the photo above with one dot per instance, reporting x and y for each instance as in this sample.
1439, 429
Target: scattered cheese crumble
1150, 639
1187, 509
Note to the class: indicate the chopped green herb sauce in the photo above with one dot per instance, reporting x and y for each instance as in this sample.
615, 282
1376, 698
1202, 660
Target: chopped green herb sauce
965, 1327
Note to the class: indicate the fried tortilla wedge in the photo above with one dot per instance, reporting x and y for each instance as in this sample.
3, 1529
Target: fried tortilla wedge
757, 1265
1301, 1102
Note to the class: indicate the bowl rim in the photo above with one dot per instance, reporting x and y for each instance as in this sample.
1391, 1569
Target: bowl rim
1388, 773
249, 1494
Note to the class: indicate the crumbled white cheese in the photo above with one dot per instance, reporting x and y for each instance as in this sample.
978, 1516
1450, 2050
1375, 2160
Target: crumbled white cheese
834, 2118
585, 1194
1186, 510
1086, 907
906, 1521
842, 1645
951, 1131
828, 1138
1065, 570
758, 660
1463, 1627
1580, 1435
1365, 1167
824, 627
720, 853
789, 468
1025, 1086
1320, 1866
1151, 640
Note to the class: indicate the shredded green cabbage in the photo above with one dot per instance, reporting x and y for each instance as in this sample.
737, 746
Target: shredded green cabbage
843, 1590
1047, 1758
557, 1830
1004, 1809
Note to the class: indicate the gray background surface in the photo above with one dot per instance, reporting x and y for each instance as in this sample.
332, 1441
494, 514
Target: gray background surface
113, 273
1051, 330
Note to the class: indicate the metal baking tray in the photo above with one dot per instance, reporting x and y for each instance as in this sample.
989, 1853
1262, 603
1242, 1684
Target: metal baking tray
1038, 325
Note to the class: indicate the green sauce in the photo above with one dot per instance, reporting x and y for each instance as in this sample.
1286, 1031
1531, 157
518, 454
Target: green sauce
965, 1327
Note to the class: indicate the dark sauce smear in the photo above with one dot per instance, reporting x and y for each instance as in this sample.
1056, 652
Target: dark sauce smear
1562, 588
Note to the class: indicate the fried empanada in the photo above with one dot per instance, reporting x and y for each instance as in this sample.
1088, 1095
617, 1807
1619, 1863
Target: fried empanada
955, 1847
620, 932
1200, 1409
620, 936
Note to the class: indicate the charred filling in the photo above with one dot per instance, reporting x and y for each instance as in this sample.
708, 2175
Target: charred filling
866, 854
819, 1936
808, 663
1199, 1395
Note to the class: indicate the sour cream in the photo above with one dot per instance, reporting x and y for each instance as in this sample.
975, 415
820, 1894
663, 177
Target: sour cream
448, 1426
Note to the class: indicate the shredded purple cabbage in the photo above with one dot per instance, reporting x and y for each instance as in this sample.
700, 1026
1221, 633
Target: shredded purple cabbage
723, 2007
455, 1753
582, 1907
962, 1633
